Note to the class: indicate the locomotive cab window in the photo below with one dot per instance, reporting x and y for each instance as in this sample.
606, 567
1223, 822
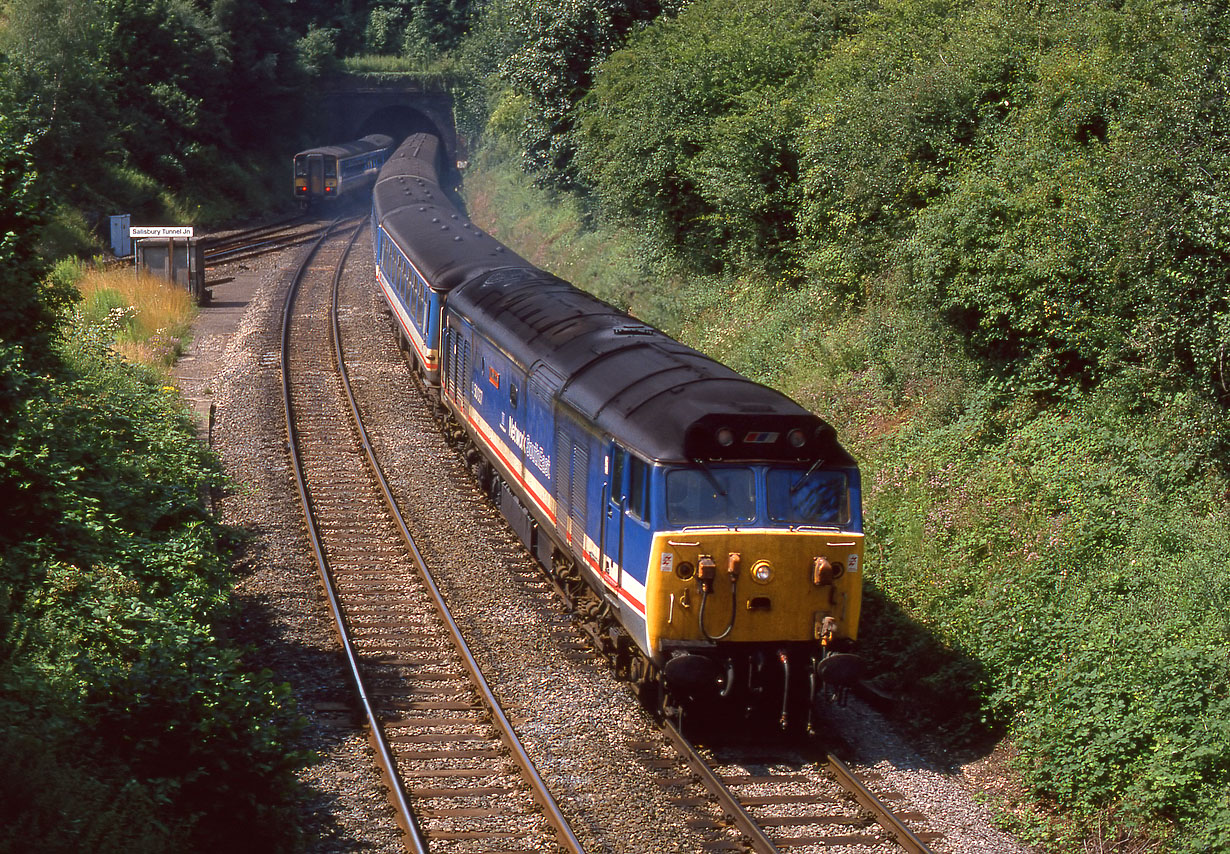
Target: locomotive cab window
638, 499
809, 498
702, 496
617, 476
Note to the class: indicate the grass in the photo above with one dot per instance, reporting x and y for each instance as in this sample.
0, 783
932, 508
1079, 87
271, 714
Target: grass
150, 317
433, 73
550, 231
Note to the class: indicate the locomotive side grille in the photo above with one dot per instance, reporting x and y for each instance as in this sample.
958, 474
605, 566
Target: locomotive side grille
563, 482
450, 357
577, 505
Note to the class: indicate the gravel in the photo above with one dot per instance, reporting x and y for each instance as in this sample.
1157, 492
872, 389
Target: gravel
584, 730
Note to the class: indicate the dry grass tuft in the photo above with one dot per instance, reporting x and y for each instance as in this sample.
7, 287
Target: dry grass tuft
150, 316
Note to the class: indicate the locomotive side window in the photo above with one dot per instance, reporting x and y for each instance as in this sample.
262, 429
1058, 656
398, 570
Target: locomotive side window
704, 496
617, 476
818, 498
638, 488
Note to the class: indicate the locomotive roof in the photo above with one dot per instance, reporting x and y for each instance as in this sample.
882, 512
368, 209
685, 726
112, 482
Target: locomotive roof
436, 236
663, 399
375, 142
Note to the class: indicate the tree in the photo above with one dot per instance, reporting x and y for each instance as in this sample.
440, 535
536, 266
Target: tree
28, 310
691, 125
546, 52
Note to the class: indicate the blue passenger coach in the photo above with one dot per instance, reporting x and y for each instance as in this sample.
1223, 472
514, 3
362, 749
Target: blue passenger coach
424, 247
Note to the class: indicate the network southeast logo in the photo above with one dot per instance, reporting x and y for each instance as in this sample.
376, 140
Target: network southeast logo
532, 450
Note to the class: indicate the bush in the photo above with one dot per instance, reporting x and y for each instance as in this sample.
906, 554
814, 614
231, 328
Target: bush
1075, 553
114, 593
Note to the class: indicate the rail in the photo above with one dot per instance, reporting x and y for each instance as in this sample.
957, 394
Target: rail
416, 841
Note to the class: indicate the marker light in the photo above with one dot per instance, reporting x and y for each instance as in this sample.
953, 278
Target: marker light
762, 572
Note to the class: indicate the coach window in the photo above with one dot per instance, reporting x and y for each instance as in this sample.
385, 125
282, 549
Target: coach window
638, 488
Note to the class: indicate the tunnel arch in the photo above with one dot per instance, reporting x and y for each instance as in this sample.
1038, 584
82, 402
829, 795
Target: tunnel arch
350, 106
399, 121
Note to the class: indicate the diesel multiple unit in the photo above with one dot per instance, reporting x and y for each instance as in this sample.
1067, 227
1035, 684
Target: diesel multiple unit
334, 171
717, 522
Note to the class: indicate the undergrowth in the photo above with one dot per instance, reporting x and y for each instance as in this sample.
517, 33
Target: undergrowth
148, 317
128, 721
1049, 570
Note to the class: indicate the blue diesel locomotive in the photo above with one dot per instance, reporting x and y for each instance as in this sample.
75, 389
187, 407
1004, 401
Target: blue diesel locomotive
716, 522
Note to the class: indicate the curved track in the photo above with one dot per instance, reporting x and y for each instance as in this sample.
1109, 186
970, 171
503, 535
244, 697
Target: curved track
456, 774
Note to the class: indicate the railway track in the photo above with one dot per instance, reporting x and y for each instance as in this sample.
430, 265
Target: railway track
438, 735
249, 243
456, 774
780, 799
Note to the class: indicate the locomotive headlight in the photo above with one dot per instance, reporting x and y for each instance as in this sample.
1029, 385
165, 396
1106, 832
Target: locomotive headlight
725, 437
797, 439
762, 572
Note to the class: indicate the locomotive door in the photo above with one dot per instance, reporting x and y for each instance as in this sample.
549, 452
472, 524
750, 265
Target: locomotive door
613, 515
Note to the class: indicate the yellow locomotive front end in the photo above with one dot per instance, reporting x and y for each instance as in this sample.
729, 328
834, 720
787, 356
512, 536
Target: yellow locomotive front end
755, 587
762, 610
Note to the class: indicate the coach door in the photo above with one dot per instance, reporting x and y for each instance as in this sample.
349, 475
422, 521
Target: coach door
316, 175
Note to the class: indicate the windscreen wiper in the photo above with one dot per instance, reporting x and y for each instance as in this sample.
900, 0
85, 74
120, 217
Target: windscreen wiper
717, 487
798, 484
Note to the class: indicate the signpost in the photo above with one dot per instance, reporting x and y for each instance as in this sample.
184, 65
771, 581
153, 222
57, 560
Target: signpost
171, 231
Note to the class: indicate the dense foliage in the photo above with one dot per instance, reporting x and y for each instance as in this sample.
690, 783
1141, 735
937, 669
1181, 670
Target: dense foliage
150, 108
990, 241
535, 60
115, 675
127, 721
